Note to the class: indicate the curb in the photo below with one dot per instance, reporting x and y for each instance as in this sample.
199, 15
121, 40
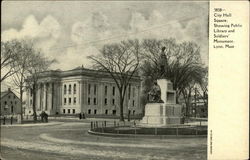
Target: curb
145, 135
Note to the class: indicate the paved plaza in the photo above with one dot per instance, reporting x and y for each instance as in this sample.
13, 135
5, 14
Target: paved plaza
68, 139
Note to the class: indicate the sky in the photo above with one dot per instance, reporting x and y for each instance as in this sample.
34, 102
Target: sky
71, 31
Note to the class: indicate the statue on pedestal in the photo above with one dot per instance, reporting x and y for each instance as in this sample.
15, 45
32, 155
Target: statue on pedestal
154, 95
162, 63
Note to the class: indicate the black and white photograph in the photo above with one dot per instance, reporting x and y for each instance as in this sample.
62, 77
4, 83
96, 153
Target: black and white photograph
102, 80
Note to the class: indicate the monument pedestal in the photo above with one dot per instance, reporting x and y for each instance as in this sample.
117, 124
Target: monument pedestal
163, 114
160, 114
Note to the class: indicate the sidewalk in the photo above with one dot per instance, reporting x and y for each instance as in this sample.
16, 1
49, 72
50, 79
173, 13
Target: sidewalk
32, 124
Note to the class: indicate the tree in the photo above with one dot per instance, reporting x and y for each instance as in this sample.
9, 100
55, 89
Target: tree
121, 61
8, 50
182, 64
26, 58
19, 53
37, 63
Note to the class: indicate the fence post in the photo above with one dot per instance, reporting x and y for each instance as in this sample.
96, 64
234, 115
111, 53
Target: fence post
105, 123
155, 131
96, 124
177, 131
91, 125
114, 123
11, 119
200, 122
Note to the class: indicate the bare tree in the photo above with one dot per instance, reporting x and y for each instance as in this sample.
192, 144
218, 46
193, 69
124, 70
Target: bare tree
9, 50
24, 58
37, 63
121, 61
18, 53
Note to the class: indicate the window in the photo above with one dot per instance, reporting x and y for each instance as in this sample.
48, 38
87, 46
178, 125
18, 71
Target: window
65, 89
95, 88
14, 97
30, 102
10, 102
113, 91
68, 110
70, 89
74, 100
63, 110
105, 101
95, 111
89, 87
129, 91
94, 101
89, 111
133, 112
114, 112
106, 90
69, 100
133, 92
129, 112
65, 101
15, 102
12, 109
30, 92
73, 110
88, 101
133, 103
9, 97
74, 88
5, 102
113, 101
106, 111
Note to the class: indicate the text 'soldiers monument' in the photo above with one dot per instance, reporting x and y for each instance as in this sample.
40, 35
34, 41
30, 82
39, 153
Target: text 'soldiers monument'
161, 109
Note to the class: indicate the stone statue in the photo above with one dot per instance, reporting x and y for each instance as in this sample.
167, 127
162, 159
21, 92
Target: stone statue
162, 63
154, 95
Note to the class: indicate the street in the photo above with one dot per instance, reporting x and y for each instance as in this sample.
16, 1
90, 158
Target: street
61, 139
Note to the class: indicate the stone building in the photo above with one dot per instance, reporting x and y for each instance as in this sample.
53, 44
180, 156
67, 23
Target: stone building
85, 91
10, 103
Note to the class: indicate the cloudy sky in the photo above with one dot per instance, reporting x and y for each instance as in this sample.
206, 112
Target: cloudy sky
71, 31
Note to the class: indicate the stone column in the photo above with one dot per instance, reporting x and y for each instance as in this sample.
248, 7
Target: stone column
44, 96
49, 98
41, 96
38, 97
58, 97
